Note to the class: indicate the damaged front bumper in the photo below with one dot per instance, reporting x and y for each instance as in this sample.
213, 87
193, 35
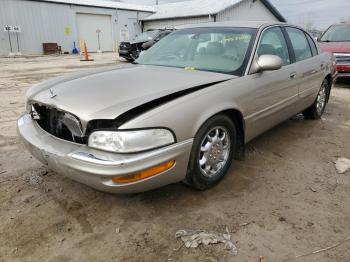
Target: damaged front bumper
96, 168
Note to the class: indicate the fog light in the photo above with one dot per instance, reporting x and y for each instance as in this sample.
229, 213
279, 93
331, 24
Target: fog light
145, 173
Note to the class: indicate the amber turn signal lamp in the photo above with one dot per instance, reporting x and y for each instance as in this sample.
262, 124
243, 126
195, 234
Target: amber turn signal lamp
145, 173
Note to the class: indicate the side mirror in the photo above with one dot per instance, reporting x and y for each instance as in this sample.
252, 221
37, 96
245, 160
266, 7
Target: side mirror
267, 63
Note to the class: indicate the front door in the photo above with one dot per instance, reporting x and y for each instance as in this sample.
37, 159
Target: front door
273, 94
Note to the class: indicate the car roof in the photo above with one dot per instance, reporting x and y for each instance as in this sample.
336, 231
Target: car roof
249, 24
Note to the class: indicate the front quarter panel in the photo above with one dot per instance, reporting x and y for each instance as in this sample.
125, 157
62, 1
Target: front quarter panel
185, 115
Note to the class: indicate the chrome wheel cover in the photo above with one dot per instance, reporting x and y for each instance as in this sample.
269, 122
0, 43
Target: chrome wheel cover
321, 99
214, 151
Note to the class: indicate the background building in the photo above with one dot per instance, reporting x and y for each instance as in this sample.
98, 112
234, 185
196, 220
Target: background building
102, 23
66, 21
201, 11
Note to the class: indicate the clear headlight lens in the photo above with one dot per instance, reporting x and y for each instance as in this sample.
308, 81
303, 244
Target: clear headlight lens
130, 141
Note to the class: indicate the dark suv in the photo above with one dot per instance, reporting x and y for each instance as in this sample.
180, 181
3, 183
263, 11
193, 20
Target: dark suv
131, 50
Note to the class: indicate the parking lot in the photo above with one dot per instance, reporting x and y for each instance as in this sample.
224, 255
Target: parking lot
285, 199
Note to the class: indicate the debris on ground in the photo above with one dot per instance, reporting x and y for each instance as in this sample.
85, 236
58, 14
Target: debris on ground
319, 250
261, 259
35, 180
194, 238
313, 189
117, 230
246, 224
342, 165
310, 224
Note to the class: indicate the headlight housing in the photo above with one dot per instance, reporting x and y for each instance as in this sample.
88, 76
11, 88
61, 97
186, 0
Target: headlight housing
131, 141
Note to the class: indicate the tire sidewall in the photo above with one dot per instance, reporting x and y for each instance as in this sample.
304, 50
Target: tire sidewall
324, 83
312, 112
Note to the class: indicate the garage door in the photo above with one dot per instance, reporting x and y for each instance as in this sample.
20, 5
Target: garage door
88, 27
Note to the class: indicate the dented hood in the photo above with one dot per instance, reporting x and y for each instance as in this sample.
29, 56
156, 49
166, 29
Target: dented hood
107, 93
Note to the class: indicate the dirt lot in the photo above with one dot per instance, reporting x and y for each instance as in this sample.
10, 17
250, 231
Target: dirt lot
284, 200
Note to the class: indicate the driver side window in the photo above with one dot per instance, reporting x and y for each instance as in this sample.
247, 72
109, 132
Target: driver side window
273, 43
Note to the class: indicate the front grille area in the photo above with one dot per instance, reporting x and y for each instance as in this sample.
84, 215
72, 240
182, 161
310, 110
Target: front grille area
343, 59
58, 123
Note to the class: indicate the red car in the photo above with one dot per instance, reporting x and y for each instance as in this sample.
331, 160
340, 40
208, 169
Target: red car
336, 40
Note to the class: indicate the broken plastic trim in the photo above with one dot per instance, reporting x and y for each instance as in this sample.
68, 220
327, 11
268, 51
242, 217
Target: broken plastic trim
141, 109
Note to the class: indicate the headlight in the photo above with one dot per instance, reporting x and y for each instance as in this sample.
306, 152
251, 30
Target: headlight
130, 141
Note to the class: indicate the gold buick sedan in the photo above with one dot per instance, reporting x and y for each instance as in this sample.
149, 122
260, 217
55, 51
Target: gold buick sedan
182, 112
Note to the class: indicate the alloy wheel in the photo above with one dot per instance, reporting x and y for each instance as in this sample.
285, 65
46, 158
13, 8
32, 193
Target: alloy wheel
214, 151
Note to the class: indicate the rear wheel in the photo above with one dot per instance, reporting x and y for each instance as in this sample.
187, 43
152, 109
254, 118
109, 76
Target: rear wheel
212, 152
316, 110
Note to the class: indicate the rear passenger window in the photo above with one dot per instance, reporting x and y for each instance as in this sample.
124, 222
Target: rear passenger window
300, 44
312, 45
274, 43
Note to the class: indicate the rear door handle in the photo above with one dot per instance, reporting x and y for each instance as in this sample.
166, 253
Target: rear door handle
293, 75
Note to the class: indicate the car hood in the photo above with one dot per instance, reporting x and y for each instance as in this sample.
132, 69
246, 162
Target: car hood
107, 93
139, 42
335, 47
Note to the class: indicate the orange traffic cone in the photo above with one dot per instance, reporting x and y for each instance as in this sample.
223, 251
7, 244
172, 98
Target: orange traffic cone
86, 54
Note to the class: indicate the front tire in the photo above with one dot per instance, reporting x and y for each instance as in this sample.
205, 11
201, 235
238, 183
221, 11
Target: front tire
316, 110
212, 152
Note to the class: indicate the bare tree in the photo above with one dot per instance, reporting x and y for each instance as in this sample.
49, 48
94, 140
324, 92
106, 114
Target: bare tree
309, 25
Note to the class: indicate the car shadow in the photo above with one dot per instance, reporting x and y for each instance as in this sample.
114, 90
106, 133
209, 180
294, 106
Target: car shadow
344, 82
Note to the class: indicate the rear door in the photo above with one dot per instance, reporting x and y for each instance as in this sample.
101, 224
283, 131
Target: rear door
274, 93
309, 70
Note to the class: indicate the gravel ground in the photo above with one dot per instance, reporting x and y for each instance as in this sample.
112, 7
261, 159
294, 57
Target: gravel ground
285, 199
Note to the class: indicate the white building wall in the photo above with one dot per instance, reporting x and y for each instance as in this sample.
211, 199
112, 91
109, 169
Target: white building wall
45, 22
247, 10
174, 23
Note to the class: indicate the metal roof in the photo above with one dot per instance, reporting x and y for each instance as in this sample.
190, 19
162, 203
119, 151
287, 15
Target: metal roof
202, 7
103, 3
246, 24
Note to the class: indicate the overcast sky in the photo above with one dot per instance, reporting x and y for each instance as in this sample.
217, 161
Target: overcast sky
321, 13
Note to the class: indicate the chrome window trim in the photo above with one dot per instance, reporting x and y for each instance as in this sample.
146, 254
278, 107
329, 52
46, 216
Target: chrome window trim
260, 32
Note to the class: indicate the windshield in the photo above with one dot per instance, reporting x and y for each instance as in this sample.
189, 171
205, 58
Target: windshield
337, 33
146, 36
221, 50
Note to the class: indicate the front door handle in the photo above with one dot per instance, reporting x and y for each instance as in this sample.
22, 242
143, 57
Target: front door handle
293, 75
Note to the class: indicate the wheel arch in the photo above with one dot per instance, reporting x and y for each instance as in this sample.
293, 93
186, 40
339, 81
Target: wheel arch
237, 118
